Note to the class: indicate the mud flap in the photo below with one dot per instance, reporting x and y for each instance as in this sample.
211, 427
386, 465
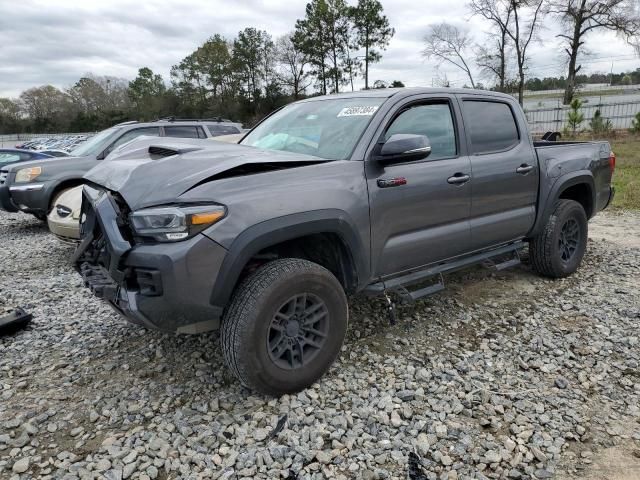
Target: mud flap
15, 320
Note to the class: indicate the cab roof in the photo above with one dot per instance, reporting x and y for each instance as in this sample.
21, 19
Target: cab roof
407, 91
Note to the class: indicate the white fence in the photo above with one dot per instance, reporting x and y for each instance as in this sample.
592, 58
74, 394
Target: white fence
555, 119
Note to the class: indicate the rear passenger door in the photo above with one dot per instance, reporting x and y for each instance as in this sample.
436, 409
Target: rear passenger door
505, 172
424, 217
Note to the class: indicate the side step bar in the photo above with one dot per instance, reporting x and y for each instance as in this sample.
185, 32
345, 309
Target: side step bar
423, 292
400, 283
508, 263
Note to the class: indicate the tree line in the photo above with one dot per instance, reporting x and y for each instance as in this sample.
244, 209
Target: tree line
242, 78
614, 79
335, 43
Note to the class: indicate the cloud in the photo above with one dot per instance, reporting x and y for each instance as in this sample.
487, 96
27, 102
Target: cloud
57, 41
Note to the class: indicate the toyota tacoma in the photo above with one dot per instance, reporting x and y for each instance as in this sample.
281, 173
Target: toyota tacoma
380, 192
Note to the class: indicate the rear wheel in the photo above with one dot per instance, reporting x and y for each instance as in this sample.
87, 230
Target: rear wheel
558, 250
285, 326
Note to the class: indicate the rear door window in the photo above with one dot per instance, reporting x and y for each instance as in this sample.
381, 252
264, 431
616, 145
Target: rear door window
183, 131
217, 130
433, 120
491, 126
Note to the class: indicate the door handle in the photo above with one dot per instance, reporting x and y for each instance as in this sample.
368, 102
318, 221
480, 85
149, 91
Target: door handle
524, 169
458, 179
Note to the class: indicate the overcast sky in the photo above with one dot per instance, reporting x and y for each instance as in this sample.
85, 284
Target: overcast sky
57, 41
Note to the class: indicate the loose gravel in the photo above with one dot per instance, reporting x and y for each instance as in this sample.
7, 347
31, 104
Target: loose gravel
503, 375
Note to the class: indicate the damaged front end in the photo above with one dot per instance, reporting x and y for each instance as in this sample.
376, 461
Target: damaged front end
145, 281
99, 257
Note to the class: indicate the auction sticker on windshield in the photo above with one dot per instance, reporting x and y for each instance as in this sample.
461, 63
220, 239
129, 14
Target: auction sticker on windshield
366, 111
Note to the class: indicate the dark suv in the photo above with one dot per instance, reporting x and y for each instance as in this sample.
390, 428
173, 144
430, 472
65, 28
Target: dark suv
32, 187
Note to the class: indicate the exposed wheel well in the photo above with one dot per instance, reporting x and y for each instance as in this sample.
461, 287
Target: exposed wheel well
326, 249
61, 187
581, 193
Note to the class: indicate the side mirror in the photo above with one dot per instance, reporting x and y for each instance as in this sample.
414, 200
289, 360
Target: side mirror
404, 147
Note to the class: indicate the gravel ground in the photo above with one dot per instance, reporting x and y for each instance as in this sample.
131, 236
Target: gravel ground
504, 375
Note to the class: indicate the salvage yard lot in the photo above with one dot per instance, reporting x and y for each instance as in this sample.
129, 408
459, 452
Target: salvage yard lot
502, 375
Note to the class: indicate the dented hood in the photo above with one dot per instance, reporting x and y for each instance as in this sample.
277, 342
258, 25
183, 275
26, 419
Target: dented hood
154, 171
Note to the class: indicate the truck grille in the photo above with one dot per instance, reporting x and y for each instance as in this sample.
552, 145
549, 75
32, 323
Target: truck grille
101, 248
97, 253
3, 177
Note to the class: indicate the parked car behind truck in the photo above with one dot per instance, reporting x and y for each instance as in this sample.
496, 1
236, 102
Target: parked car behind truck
64, 217
377, 192
32, 187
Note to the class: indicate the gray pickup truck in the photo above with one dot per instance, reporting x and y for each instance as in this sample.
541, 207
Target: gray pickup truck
380, 192
32, 187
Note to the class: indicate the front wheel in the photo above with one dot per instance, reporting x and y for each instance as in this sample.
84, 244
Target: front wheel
558, 250
285, 326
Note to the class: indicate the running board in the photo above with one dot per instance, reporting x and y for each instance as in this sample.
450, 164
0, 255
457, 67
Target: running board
423, 292
507, 264
401, 282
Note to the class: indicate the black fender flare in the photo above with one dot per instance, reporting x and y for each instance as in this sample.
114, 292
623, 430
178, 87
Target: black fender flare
278, 230
545, 207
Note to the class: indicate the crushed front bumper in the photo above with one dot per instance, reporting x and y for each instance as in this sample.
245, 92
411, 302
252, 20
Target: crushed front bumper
161, 286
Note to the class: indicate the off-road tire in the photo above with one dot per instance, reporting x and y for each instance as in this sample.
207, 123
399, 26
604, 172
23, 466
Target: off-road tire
545, 252
246, 325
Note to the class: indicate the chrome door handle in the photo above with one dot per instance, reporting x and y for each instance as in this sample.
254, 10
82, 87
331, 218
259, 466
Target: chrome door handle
524, 168
458, 179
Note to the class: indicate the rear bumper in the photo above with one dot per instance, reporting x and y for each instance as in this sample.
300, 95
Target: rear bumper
161, 286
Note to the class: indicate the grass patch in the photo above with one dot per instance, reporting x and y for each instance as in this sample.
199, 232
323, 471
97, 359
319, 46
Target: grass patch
626, 178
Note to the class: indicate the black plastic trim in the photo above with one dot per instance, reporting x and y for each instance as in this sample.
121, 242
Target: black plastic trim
281, 229
545, 207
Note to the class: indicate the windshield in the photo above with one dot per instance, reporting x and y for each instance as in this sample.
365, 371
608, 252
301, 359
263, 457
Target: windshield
327, 128
95, 144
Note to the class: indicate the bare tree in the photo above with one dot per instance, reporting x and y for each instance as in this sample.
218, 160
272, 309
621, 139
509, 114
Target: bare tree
580, 17
446, 43
492, 62
293, 63
526, 20
492, 58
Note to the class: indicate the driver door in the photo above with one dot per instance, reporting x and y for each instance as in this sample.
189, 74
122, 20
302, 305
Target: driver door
423, 217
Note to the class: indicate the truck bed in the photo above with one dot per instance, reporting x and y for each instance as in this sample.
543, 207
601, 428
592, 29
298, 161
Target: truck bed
560, 158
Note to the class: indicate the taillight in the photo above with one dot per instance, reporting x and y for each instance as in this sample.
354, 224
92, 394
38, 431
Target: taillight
612, 162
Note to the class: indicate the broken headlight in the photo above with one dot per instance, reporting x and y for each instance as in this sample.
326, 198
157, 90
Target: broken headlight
170, 224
